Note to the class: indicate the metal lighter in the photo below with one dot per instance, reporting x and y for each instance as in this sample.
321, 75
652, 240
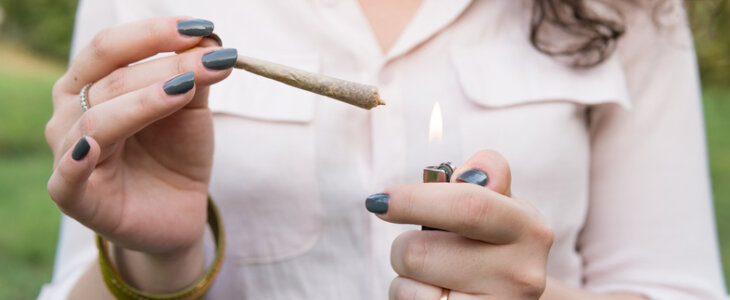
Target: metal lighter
440, 173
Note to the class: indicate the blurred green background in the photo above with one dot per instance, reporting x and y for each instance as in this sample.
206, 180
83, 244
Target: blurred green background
34, 45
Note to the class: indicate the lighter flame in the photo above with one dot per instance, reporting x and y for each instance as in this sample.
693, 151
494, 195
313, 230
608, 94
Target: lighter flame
436, 130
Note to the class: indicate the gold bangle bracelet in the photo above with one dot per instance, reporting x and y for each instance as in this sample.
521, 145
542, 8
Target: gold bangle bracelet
122, 290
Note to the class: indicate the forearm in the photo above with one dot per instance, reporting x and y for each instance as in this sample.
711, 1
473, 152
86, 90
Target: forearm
149, 273
556, 290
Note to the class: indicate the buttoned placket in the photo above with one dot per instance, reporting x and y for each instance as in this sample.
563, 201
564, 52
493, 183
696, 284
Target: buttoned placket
387, 125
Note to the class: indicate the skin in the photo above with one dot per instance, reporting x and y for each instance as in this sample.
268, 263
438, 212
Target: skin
149, 166
150, 159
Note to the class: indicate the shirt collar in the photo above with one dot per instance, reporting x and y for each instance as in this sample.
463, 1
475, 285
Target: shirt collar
432, 17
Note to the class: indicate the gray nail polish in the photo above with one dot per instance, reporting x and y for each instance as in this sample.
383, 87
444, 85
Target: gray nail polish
221, 59
180, 84
195, 27
378, 203
81, 149
474, 176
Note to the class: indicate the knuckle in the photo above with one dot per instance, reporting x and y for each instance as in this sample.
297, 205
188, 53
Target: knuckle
149, 33
100, 43
57, 91
543, 233
530, 282
180, 64
409, 200
146, 104
87, 122
115, 83
58, 178
471, 211
51, 191
414, 255
402, 292
405, 204
154, 30
51, 133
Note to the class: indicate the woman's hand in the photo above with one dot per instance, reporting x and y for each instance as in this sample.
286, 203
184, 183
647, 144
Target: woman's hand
496, 246
135, 167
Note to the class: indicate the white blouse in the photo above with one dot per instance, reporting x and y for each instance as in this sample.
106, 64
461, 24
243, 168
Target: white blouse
614, 156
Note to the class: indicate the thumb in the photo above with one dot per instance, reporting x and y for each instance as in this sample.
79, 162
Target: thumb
67, 184
486, 168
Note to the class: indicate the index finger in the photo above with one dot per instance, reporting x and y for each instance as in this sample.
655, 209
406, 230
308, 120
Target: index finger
122, 45
466, 209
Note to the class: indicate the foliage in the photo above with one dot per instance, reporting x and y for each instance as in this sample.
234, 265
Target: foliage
712, 39
44, 25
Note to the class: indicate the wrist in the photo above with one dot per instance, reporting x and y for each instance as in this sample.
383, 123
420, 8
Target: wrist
160, 273
173, 269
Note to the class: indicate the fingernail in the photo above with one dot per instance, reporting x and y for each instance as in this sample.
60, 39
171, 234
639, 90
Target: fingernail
180, 84
474, 176
81, 149
378, 203
195, 27
221, 59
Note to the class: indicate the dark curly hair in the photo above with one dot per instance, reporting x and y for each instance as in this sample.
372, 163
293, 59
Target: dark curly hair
586, 37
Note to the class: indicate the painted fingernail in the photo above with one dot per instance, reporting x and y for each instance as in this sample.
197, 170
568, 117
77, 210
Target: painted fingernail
378, 203
221, 59
180, 84
195, 27
81, 149
474, 176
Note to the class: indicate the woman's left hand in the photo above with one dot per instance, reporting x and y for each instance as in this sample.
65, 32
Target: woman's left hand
496, 246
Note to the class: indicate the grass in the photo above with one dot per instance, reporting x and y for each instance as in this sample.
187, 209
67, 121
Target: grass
717, 115
29, 219
25, 101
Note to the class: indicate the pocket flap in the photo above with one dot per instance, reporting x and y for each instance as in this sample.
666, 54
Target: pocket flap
502, 73
249, 95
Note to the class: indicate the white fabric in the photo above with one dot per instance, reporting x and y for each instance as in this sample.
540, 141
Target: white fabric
613, 156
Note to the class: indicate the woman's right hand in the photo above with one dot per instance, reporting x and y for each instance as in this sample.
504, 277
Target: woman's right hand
135, 167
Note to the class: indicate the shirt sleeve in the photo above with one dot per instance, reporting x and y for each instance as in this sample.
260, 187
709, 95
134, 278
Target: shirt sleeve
75, 252
650, 227
76, 249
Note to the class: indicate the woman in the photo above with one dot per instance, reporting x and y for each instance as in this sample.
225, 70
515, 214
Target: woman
605, 195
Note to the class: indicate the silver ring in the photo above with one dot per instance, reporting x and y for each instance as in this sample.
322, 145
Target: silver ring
84, 96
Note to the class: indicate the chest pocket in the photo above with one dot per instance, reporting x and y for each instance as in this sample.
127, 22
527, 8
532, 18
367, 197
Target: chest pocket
251, 96
503, 74
521, 99
264, 170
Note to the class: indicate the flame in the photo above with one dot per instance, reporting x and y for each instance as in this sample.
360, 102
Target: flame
436, 130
